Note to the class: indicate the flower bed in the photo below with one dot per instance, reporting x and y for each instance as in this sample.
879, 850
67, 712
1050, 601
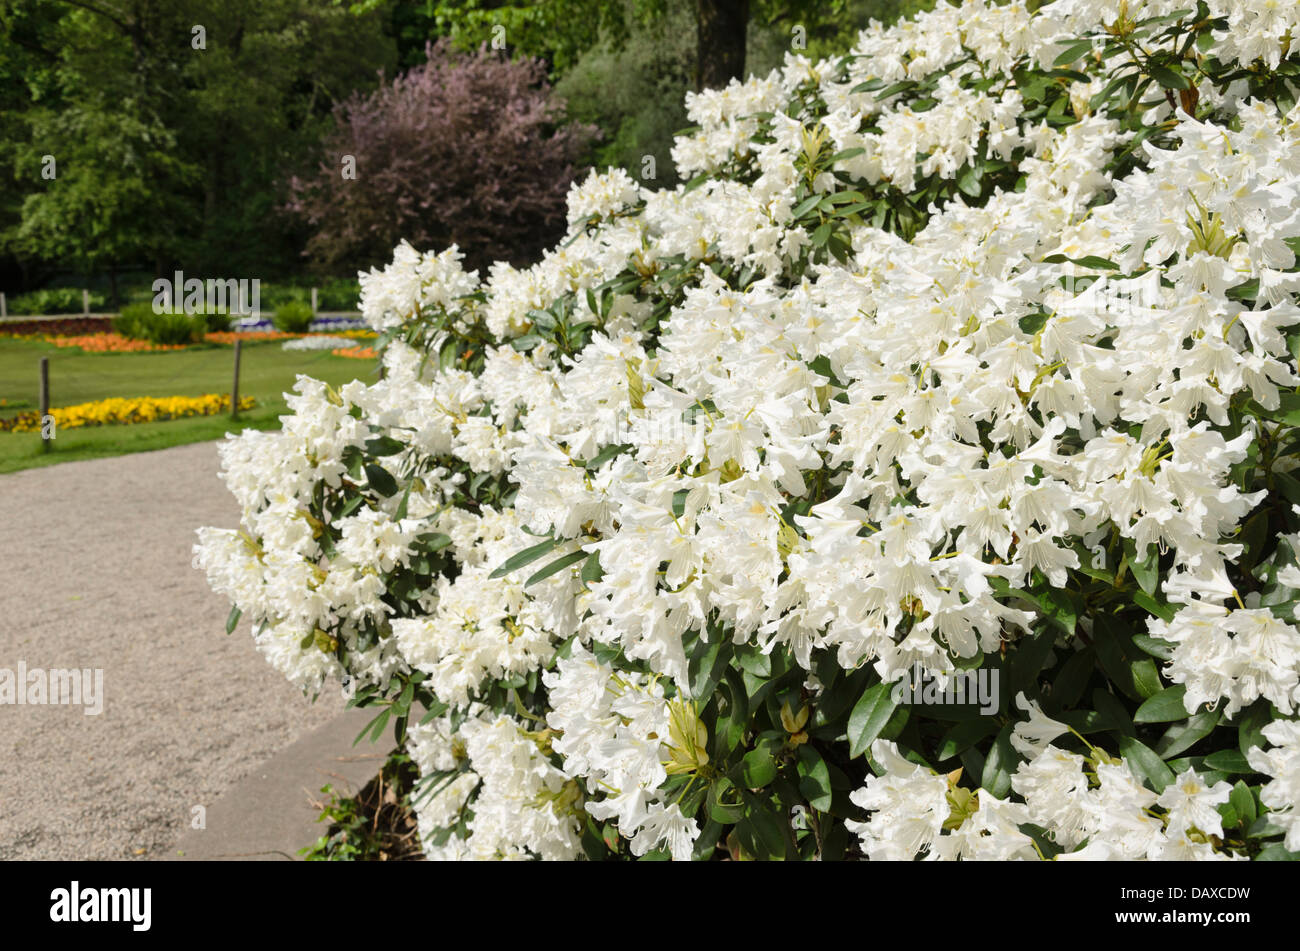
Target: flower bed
227, 338
46, 329
109, 343
357, 353
964, 361
338, 325
328, 342
114, 411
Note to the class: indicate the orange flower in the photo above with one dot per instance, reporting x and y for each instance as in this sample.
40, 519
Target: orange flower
111, 343
228, 337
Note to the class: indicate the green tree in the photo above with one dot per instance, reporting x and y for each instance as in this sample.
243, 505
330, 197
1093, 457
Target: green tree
562, 32
173, 124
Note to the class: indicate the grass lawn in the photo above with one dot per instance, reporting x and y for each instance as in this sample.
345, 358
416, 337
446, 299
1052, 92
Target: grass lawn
266, 372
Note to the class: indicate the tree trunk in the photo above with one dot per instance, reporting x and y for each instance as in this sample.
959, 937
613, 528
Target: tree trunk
720, 41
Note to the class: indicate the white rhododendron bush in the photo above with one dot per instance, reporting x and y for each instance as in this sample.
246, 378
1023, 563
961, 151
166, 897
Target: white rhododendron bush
919, 480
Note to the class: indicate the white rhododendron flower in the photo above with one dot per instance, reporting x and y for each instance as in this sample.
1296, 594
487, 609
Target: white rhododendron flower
949, 362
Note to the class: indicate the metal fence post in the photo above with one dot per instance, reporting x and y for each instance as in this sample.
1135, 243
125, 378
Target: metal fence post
234, 388
45, 401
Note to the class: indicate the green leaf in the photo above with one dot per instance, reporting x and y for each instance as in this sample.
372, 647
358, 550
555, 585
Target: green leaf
1145, 571
432, 542
1228, 761
384, 446
1242, 801
1250, 729
1263, 827
1164, 707
729, 727
1026, 660
762, 832
403, 703
836, 699
375, 727
1073, 678
758, 767
1289, 486
401, 507
1288, 410
591, 570
805, 206
1276, 853
839, 248
351, 506
1183, 736
845, 154
1113, 712
1089, 261
606, 454
814, 778
1073, 52
1061, 609
1160, 609
1155, 646
1145, 764
1246, 290
1169, 78
869, 716
1132, 671
720, 808
708, 660
856, 208
1146, 678
556, 566
965, 735
1000, 764
895, 89
380, 479
232, 619
526, 557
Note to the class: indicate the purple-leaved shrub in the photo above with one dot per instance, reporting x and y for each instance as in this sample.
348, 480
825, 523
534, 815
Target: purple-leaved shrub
468, 148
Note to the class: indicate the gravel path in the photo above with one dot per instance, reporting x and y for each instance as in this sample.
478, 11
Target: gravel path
95, 572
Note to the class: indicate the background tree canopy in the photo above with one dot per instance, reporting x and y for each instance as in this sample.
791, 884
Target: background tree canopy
175, 127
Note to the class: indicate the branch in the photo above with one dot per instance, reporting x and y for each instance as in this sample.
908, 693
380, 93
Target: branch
115, 16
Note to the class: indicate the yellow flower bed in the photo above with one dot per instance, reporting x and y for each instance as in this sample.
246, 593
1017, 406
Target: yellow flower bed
140, 409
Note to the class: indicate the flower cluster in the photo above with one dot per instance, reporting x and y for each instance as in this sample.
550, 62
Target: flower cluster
110, 342
138, 409
970, 352
356, 353
316, 342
